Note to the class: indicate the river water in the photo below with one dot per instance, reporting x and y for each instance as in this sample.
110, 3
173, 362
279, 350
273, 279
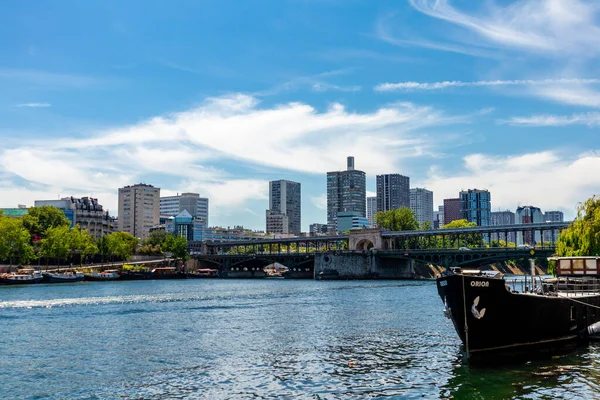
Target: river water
272, 338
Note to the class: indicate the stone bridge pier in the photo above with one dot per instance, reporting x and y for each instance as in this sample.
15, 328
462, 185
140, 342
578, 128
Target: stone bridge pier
362, 265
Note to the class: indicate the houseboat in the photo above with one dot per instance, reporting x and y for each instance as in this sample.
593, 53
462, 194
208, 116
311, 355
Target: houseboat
496, 319
203, 273
21, 277
62, 276
108, 275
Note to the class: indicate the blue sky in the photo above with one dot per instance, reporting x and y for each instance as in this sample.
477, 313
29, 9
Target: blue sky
221, 97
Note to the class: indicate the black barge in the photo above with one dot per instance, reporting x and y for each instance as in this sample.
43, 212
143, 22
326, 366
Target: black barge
496, 321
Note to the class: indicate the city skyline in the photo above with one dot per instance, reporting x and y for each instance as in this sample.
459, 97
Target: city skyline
85, 113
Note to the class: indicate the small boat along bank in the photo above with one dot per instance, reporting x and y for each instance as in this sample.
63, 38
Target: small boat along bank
30, 275
496, 321
62, 276
21, 277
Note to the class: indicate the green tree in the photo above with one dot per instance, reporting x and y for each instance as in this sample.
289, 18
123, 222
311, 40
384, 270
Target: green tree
121, 245
582, 237
82, 243
155, 238
15, 241
103, 249
39, 219
56, 243
398, 219
177, 245
463, 240
459, 223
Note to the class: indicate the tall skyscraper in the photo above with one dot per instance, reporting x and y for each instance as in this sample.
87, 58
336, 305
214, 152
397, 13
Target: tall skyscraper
139, 209
528, 215
476, 206
283, 215
451, 210
346, 192
393, 191
421, 203
191, 202
371, 209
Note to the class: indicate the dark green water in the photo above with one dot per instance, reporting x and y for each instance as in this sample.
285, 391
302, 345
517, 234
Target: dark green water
219, 339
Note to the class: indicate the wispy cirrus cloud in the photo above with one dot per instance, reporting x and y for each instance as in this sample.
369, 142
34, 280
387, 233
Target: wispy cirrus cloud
415, 86
317, 83
34, 105
46, 78
589, 119
544, 26
518, 35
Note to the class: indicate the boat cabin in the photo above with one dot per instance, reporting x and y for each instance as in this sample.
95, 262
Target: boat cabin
164, 271
577, 266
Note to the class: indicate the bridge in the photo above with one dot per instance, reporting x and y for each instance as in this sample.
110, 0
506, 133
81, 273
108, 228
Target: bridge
374, 252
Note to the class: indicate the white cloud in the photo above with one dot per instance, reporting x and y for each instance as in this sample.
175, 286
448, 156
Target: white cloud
519, 35
319, 201
410, 86
590, 119
34, 105
291, 136
548, 180
227, 149
557, 27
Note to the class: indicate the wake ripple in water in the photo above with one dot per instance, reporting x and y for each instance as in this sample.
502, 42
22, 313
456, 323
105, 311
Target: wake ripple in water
83, 301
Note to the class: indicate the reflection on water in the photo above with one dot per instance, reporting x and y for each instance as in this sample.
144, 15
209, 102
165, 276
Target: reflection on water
572, 375
256, 339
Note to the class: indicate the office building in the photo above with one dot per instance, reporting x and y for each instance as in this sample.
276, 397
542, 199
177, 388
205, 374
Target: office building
346, 192
191, 202
441, 216
18, 212
371, 209
139, 209
421, 203
553, 216
438, 218
502, 218
451, 210
317, 228
476, 206
393, 191
277, 223
528, 215
350, 220
284, 213
186, 225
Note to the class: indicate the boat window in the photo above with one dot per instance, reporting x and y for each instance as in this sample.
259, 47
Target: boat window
572, 313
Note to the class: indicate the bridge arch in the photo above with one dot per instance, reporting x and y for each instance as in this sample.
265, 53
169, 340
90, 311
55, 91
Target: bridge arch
364, 244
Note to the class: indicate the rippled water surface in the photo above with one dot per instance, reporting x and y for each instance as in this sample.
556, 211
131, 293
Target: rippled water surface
255, 339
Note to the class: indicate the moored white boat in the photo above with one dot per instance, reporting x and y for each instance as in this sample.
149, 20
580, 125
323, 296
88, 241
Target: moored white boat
108, 275
21, 277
